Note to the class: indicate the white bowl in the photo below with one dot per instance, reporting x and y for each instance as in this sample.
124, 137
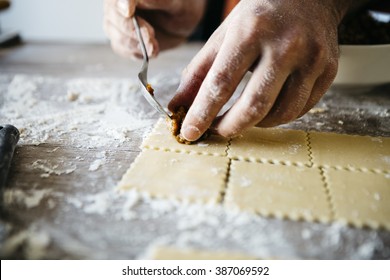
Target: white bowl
363, 66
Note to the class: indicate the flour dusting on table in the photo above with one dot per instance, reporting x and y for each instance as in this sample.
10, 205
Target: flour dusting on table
84, 126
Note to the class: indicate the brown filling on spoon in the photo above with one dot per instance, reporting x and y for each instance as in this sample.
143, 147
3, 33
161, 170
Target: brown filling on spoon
150, 89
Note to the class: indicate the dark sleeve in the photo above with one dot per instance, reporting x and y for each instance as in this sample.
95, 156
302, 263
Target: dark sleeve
359, 5
211, 20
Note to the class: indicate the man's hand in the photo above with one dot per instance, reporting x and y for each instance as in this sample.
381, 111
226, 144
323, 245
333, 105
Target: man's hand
164, 23
291, 46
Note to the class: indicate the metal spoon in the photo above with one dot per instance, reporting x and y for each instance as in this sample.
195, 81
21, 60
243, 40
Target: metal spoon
143, 74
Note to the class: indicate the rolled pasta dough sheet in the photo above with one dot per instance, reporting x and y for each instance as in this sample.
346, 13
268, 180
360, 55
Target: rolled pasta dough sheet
274, 172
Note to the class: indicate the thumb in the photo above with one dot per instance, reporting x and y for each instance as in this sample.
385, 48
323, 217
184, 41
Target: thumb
126, 7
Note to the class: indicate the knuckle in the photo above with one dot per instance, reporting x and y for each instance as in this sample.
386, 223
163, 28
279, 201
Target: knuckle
318, 56
256, 106
236, 57
291, 45
318, 51
123, 24
124, 41
220, 78
219, 86
200, 113
129, 42
192, 80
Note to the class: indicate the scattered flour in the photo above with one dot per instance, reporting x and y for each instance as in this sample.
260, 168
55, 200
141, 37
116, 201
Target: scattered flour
318, 110
100, 222
89, 113
98, 203
48, 168
101, 159
29, 198
96, 164
201, 144
132, 199
75, 202
72, 95
245, 182
294, 148
33, 242
377, 196
148, 221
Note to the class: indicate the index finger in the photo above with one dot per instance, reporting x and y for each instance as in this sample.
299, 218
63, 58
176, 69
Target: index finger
226, 72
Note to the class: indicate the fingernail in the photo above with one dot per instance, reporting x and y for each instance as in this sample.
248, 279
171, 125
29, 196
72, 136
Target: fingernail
190, 132
123, 7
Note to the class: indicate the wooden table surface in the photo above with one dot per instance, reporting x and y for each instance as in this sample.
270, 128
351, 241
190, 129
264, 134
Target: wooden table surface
60, 196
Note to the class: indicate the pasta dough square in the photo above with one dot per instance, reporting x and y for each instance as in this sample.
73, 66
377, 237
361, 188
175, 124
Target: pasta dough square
197, 178
349, 151
161, 138
278, 190
360, 198
271, 145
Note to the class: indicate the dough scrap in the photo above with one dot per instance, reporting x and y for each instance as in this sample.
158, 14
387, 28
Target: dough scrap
174, 253
350, 152
360, 198
271, 145
196, 178
278, 190
161, 138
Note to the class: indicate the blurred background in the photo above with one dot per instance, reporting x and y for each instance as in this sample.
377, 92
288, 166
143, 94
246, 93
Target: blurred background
52, 20
81, 21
